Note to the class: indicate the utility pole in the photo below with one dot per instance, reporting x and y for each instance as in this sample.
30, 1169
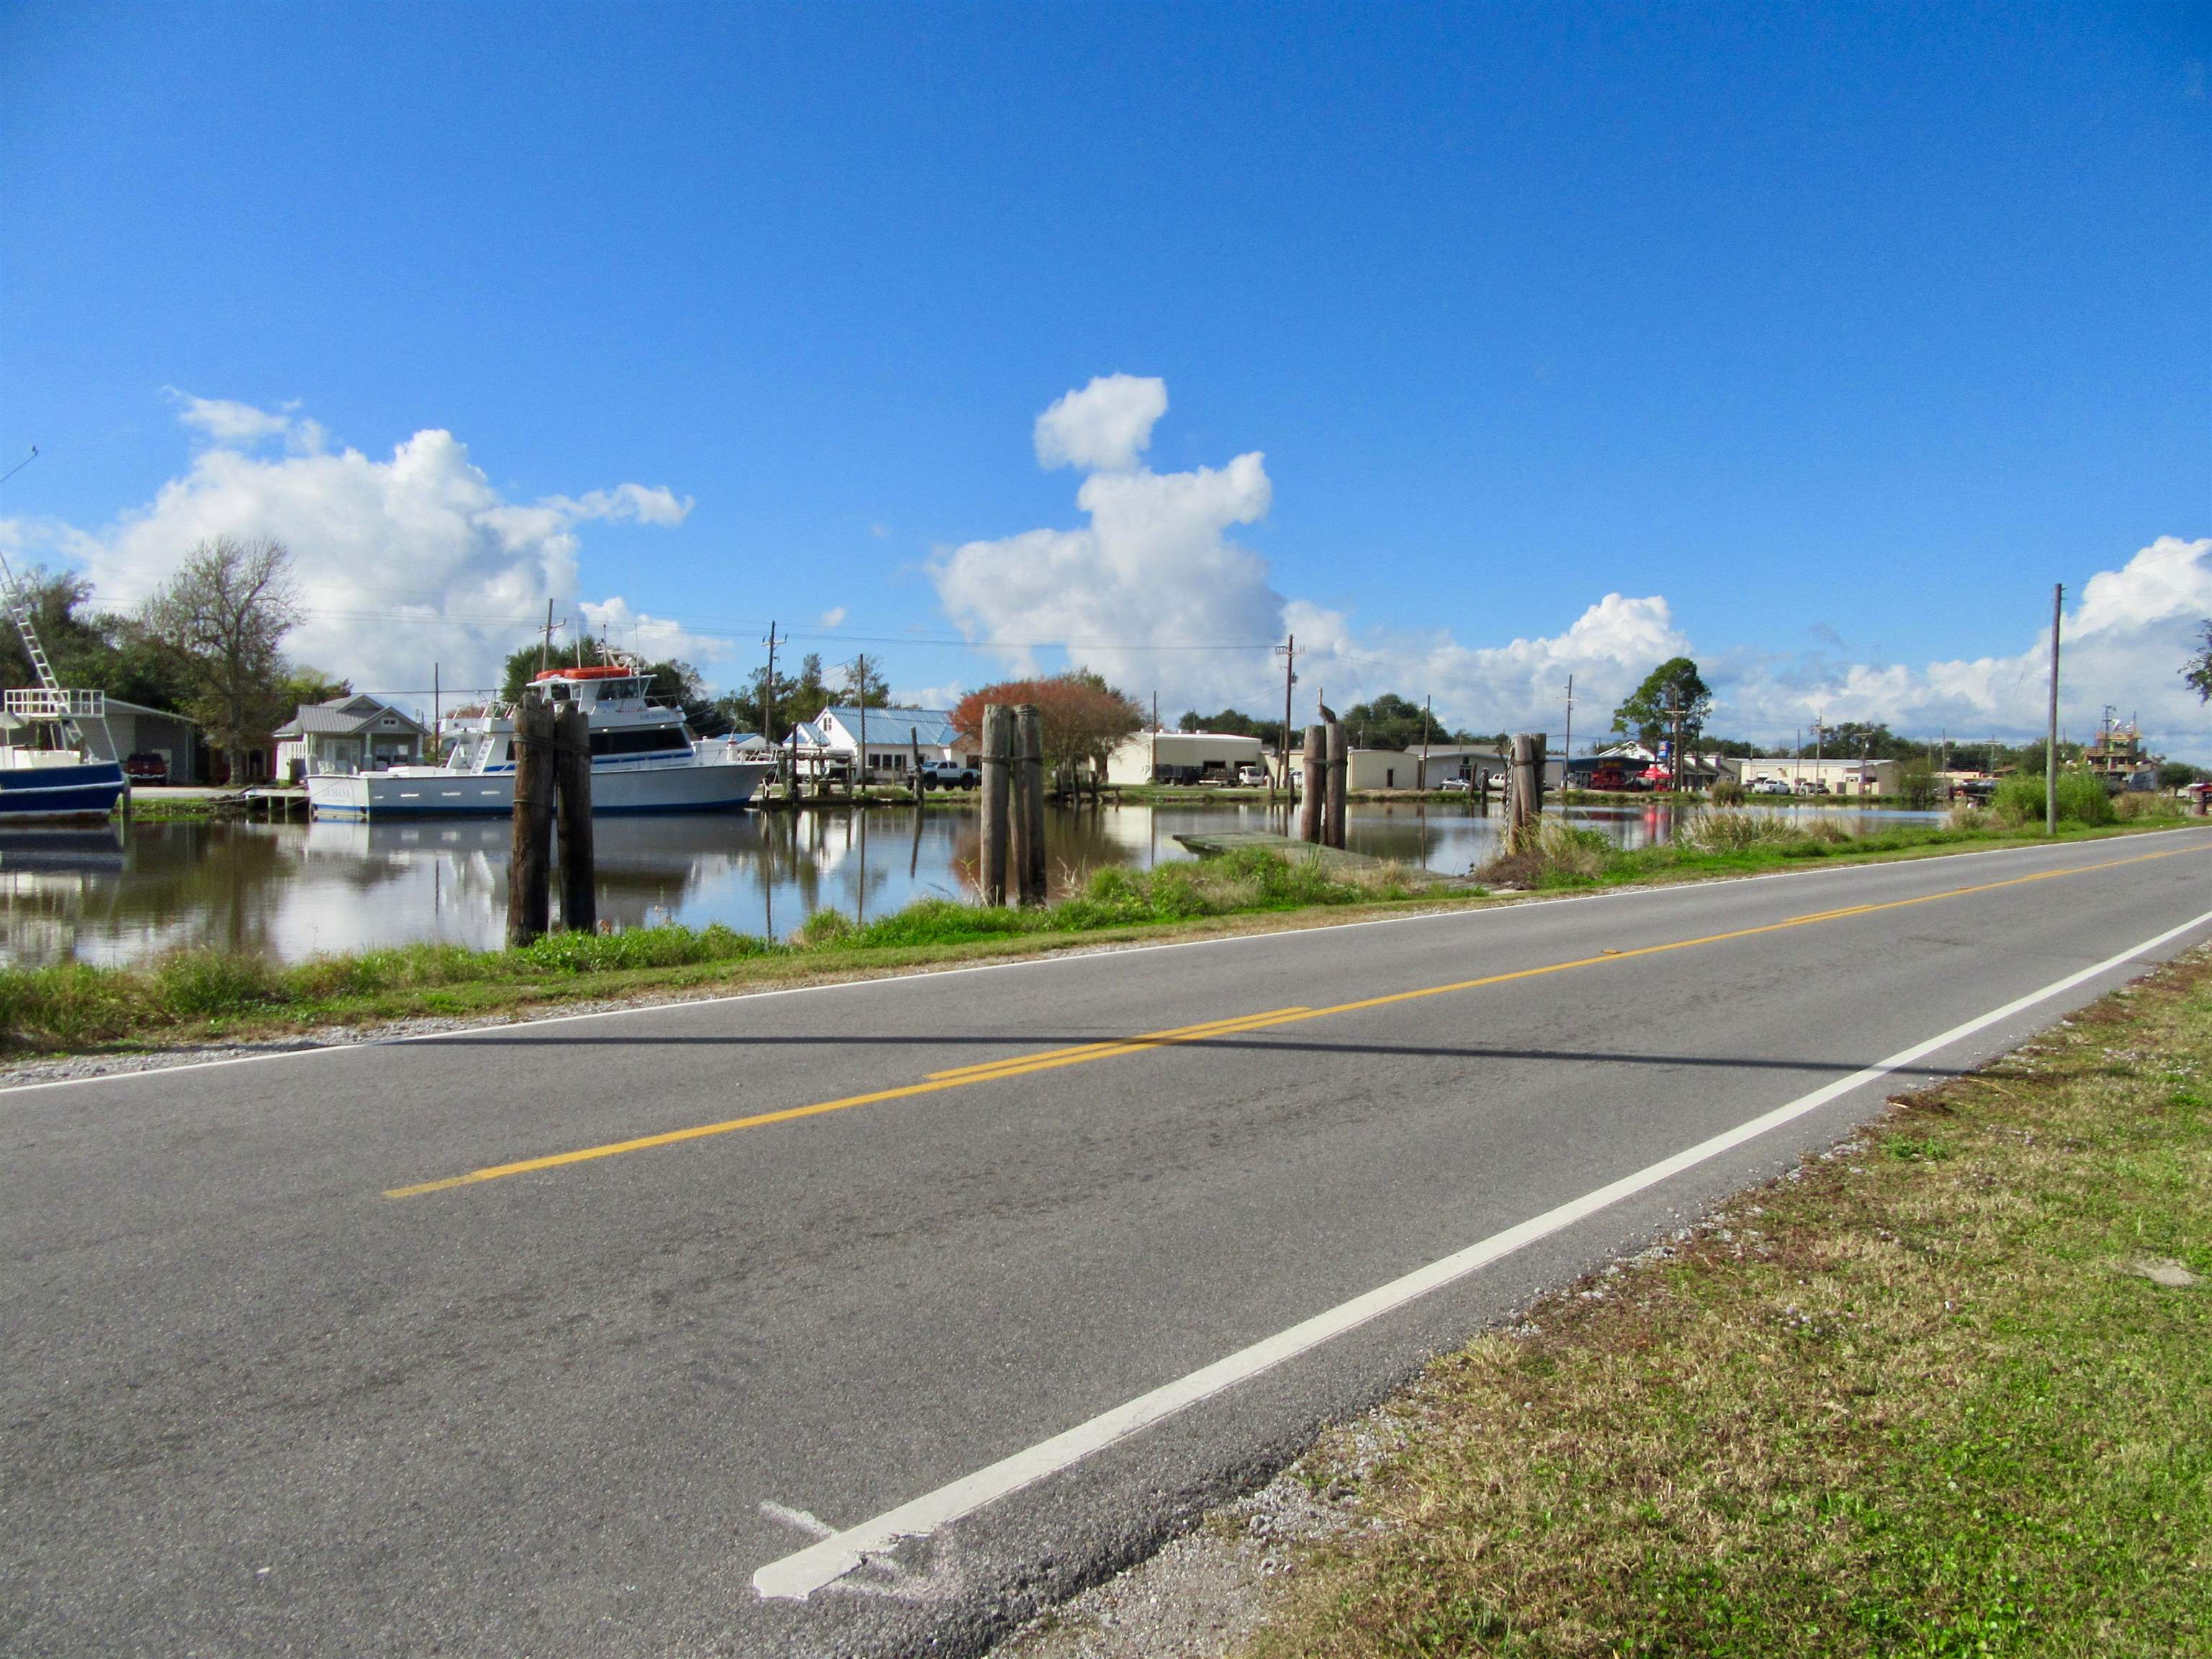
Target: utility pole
1567, 744
1428, 706
545, 650
860, 672
1288, 651
2050, 739
1819, 783
768, 695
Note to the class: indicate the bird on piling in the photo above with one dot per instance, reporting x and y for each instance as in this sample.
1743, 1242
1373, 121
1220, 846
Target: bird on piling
1327, 715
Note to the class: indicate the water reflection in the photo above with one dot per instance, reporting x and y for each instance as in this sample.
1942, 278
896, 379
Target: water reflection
292, 890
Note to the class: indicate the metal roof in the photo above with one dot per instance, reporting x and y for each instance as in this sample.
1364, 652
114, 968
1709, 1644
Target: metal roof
895, 728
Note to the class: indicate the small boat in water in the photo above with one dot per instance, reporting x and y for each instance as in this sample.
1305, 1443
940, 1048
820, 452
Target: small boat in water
79, 776
644, 759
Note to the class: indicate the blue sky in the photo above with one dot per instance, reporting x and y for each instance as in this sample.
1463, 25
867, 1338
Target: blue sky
1826, 339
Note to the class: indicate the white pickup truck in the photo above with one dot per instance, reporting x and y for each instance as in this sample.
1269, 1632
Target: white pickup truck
949, 774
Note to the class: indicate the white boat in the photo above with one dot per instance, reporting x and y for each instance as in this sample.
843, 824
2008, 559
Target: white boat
644, 759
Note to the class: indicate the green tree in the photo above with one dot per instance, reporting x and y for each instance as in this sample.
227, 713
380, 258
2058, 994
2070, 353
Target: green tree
92, 650
226, 612
1389, 722
1674, 685
2198, 671
1230, 720
1881, 743
863, 687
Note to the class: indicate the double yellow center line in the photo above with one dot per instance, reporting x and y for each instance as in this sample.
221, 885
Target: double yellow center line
961, 1077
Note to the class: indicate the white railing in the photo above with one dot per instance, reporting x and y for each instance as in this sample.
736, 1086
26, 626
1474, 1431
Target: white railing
46, 703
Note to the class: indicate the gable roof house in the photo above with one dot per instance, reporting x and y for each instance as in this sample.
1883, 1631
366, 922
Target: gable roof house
894, 734
356, 734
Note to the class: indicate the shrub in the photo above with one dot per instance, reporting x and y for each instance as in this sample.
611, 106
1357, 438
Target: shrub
210, 984
1967, 816
1727, 792
826, 930
2137, 806
2081, 799
1735, 832
1563, 855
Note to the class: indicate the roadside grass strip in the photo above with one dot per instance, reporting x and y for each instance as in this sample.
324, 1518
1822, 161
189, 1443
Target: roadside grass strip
1014, 1065
1947, 1390
196, 995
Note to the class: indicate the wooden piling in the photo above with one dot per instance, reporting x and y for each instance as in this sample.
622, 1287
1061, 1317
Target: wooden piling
1313, 764
1524, 789
1028, 803
1340, 770
997, 802
528, 900
572, 744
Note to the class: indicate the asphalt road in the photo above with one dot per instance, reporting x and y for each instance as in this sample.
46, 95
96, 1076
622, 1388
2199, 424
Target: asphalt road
253, 1403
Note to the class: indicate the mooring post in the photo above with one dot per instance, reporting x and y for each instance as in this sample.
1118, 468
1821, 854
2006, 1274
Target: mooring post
579, 903
1313, 766
1340, 768
1524, 790
998, 763
528, 901
1029, 803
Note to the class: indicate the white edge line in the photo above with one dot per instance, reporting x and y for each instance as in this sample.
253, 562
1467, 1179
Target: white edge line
1074, 953
798, 1575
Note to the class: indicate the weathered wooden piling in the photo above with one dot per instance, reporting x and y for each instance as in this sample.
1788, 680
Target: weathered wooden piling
1524, 792
1028, 803
1340, 770
572, 746
1313, 764
528, 902
996, 803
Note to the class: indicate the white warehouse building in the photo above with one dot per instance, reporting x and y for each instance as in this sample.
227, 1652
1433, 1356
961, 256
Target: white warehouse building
1183, 757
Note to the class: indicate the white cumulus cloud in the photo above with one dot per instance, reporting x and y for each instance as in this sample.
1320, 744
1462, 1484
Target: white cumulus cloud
1105, 427
1153, 574
402, 563
1154, 593
2122, 644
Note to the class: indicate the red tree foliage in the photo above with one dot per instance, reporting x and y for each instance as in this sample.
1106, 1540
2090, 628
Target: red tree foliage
1084, 717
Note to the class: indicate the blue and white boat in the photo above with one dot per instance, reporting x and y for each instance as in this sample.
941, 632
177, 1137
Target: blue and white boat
644, 759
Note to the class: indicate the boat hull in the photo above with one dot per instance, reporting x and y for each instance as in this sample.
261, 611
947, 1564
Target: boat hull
89, 790
706, 788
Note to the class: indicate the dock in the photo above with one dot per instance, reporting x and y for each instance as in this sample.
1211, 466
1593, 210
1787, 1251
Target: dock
1212, 843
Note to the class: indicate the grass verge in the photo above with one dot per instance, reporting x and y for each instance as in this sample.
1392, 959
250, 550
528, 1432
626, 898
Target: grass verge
199, 996
1920, 1398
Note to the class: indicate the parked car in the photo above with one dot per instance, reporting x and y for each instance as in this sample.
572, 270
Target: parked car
146, 768
1769, 787
1251, 776
1455, 785
949, 774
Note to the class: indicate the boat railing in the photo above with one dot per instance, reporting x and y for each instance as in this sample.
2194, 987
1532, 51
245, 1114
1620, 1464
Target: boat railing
47, 703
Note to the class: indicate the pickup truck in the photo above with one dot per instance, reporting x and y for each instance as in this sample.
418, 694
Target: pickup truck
949, 774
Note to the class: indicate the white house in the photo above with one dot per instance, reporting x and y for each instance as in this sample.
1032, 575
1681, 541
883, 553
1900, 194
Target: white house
356, 734
833, 739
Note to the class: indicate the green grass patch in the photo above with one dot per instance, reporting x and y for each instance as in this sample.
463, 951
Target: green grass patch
203, 992
197, 994
1920, 1400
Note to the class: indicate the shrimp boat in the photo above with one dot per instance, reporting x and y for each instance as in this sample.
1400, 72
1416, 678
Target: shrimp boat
78, 777
644, 759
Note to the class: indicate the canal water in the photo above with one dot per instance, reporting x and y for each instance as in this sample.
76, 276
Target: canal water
291, 890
